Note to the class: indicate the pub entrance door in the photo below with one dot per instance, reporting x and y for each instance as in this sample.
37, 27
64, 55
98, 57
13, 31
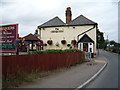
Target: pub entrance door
85, 47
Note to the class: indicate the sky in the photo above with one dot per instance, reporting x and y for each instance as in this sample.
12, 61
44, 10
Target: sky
31, 13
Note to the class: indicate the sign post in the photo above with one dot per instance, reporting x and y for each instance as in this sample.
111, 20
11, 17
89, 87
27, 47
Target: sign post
88, 56
8, 35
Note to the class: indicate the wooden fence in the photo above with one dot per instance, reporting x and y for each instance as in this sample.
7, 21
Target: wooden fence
42, 62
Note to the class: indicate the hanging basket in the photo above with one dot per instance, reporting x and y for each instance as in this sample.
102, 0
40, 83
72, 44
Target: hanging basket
68, 45
74, 42
63, 41
39, 43
45, 44
50, 42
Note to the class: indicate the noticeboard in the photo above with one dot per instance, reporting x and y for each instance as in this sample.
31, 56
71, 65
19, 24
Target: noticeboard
87, 56
8, 35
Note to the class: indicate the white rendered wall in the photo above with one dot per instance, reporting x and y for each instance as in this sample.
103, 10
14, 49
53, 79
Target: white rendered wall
69, 33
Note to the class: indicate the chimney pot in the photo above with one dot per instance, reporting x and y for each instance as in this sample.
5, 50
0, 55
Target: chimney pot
68, 15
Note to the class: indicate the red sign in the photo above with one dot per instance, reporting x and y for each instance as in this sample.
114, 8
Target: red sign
8, 35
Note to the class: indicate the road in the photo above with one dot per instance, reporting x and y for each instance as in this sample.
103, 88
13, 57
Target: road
74, 77
109, 76
68, 78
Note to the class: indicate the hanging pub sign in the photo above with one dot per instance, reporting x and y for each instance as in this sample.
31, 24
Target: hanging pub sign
8, 35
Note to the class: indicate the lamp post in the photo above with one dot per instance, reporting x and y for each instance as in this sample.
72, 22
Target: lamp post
107, 41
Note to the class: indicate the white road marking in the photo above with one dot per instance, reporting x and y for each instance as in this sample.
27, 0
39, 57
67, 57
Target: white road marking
93, 77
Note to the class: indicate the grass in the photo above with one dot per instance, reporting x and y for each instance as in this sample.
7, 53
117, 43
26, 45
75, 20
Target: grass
15, 81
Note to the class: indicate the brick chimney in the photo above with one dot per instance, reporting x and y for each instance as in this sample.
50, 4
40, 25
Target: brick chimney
68, 15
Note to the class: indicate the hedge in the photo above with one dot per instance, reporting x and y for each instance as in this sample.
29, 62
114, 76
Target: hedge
54, 51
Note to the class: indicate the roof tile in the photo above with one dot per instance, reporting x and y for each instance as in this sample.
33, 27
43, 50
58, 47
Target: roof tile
31, 37
81, 20
56, 21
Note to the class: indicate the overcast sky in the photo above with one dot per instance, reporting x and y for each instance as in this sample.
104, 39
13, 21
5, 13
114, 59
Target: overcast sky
31, 13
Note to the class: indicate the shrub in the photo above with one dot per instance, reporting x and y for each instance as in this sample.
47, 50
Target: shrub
72, 50
55, 51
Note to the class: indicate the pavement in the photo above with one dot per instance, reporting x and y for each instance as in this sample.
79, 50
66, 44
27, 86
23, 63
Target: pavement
76, 77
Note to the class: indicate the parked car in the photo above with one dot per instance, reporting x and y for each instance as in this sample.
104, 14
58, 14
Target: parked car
116, 50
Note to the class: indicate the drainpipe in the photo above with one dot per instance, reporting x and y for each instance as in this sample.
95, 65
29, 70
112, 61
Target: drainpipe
86, 32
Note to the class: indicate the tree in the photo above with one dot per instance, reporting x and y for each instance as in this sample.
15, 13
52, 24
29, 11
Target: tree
112, 42
114, 46
100, 40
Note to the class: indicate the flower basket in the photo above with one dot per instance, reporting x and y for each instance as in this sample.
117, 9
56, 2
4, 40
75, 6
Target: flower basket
41, 41
39, 44
68, 45
50, 42
74, 42
45, 44
63, 41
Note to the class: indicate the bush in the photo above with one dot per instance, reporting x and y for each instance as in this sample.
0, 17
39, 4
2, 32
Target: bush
72, 50
54, 51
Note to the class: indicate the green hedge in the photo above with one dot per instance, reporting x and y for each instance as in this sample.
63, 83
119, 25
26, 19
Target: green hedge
54, 51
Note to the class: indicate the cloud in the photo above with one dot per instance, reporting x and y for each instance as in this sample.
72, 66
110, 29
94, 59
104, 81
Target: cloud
29, 14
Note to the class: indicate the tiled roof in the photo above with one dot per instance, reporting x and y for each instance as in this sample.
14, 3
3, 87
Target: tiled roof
81, 20
56, 21
31, 37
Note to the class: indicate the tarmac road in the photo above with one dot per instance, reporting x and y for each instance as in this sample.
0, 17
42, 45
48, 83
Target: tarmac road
71, 78
109, 77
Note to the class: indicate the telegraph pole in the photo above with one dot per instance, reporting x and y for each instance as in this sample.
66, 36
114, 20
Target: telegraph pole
108, 42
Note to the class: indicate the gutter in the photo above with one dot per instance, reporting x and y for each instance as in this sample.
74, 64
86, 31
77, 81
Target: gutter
64, 25
77, 35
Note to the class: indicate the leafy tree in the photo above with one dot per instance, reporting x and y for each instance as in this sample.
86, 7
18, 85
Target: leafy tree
112, 42
100, 40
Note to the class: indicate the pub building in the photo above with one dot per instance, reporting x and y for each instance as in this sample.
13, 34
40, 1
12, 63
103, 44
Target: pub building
77, 33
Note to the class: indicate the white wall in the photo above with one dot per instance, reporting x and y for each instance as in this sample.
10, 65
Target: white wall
69, 33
